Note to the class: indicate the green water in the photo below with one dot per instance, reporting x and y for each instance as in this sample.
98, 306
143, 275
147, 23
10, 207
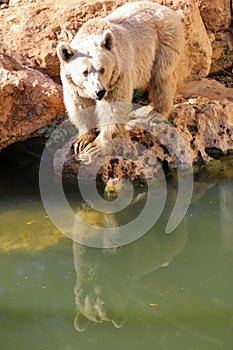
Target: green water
54, 293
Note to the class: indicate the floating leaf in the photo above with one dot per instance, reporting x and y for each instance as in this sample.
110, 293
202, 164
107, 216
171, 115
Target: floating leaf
30, 222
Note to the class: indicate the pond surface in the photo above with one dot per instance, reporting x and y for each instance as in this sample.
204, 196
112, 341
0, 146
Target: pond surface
163, 291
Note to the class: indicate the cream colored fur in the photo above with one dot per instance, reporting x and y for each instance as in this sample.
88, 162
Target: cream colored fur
138, 46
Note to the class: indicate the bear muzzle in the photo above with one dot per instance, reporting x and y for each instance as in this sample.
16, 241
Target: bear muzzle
100, 93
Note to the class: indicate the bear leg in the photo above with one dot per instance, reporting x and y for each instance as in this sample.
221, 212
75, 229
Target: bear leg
162, 94
97, 148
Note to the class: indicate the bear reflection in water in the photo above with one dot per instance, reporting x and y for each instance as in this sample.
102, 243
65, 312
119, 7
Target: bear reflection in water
107, 277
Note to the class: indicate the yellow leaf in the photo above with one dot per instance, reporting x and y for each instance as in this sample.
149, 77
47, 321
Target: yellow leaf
30, 222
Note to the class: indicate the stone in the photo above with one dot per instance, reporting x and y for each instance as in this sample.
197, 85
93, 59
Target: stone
29, 100
32, 29
209, 88
210, 123
199, 50
216, 14
222, 46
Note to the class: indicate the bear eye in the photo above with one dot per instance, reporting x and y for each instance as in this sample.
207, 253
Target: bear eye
102, 70
85, 73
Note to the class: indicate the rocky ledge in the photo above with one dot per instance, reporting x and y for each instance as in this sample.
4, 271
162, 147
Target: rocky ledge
200, 129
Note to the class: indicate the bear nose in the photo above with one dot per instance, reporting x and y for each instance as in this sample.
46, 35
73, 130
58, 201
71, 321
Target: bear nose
100, 94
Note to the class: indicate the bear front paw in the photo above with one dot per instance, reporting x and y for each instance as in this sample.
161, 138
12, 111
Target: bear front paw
95, 151
84, 140
90, 152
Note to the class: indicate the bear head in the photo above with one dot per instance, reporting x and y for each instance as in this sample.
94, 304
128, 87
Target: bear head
88, 65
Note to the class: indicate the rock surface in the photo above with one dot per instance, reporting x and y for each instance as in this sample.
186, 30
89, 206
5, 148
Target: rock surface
210, 124
198, 130
208, 88
32, 27
28, 99
216, 16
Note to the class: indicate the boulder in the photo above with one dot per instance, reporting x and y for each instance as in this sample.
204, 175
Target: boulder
28, 98
222, 45
216, 15
32, 27
209, 88
210, 124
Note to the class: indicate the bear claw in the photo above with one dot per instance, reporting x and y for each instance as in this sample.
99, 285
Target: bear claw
84, 140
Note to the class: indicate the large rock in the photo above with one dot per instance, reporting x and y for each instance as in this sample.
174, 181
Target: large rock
222, 45
210, 124
33, 29
28, 99
199, 50
209, 88
216, 15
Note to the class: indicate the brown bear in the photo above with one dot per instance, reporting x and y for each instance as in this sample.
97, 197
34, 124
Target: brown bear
138, 46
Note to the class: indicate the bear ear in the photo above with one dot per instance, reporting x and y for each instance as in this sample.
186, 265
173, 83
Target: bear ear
64, 52
107, 40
